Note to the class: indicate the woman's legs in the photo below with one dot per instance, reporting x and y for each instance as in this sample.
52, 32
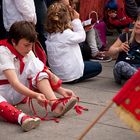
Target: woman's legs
123, 70
96, 54
91, 40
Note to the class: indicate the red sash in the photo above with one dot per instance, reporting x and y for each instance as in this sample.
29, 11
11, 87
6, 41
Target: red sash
13, 50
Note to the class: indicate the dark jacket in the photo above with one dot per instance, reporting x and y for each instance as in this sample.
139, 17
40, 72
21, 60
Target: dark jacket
131, 8
138, 3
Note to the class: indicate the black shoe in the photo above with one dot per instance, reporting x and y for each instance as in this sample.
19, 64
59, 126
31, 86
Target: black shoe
102, 59
108, 33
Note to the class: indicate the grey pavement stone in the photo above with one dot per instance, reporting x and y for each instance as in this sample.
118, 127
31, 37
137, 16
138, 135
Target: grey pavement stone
94, 94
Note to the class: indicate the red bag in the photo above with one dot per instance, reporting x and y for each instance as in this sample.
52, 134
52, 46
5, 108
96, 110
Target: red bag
94, 22
100, 26
39, 52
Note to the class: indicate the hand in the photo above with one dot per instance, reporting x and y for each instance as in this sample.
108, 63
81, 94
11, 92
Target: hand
101, 54
73, 13
41, 99
66, 92
124, 47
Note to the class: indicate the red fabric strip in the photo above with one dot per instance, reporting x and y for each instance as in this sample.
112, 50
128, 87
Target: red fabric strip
13, 50
4, 82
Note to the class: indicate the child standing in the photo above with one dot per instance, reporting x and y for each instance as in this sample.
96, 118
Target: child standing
65, 32
18, 64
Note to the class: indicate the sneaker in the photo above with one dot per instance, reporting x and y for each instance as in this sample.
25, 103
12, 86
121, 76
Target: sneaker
102, 59
28, 123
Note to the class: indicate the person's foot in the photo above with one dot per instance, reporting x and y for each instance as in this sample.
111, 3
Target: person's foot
62, 106
28, 123
101, 56
102, 59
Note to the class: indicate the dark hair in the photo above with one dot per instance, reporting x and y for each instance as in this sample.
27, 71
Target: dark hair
138, 12
22, 29
58, 18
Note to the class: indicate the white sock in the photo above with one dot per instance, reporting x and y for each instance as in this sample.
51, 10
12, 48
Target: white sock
2, 99
20, 117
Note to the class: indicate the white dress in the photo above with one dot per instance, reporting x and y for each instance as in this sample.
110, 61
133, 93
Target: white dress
32, 66
64, 54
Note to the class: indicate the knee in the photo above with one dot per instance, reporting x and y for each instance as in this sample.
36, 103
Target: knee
98, 67
119, 65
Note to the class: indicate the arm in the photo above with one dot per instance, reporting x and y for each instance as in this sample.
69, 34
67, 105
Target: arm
19, 87
78, 34
115, 48
118, 47
65, 92
114, 21
27, 9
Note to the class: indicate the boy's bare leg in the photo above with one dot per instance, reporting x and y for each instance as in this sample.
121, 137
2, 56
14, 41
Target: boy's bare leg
45, 88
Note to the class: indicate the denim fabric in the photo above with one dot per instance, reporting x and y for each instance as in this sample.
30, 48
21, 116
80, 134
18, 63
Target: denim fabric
41, 10
91, 70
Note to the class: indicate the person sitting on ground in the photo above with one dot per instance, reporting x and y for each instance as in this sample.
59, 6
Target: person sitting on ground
91, 46
19, 68
127, 47
116, 17
62, 44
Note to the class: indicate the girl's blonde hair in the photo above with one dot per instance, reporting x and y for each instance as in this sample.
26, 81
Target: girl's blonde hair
133, 31
58, 18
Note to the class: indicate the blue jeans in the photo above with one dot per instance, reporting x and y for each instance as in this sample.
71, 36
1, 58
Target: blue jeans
91, 69
41, 11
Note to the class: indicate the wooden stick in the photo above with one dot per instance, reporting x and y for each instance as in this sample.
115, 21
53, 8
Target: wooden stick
127, 35
127, 38
95, 120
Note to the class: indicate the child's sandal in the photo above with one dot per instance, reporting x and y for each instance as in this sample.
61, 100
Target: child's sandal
67, 103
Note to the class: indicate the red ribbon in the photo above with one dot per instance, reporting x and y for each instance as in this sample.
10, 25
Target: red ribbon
14, 51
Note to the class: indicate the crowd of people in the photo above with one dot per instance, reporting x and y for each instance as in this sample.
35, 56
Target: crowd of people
57, 25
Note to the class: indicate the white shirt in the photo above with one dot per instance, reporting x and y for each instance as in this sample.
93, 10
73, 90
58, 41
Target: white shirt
17, 10
64, 54
32, 66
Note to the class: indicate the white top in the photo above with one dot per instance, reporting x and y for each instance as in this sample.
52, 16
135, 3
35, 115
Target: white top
32, 66
17, 10
64, 54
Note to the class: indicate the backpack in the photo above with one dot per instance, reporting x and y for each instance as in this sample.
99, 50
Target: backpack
115, 14
39, 52
100, 29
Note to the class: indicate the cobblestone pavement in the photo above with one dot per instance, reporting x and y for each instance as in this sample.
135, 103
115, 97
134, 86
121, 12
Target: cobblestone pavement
94, 94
